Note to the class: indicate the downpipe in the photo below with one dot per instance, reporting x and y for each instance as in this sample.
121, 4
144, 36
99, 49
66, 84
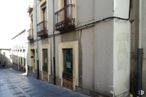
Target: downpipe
139, 89
38, 68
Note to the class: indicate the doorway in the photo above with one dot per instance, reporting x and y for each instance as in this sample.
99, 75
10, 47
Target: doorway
45, 64
68, 68
33, 60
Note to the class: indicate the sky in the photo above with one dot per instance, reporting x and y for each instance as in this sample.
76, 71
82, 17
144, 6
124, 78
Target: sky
13, 19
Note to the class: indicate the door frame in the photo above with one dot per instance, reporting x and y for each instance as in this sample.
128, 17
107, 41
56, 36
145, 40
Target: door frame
74, 46
33, 64
45, 46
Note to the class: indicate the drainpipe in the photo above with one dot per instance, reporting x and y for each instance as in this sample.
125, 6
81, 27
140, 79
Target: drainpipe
36, 10
139, 89
54, 64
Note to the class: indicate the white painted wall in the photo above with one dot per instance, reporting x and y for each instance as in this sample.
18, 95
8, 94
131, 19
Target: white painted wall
121, 56
103, 41
87, 44
90, 10
143, 43
121, 8
144, 27
103, 8
85, 11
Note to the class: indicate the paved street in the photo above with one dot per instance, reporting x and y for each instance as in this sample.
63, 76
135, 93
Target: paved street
15, 84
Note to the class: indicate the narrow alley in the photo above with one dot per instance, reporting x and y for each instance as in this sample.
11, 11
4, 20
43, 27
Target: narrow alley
73, 48
15, 84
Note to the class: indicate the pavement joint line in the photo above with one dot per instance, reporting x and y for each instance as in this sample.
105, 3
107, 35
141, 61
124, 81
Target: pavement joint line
29, 87
22, 91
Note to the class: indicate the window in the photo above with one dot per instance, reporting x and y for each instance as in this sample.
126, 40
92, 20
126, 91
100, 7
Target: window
43, 10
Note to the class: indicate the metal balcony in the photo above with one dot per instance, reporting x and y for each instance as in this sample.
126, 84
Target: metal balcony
30, 38
65, 20
42, 29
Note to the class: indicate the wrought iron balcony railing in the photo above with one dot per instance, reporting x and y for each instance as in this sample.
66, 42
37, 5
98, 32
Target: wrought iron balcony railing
30, 38
65, 20
42, 29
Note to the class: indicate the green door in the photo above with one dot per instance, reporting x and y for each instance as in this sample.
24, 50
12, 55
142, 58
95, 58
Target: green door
45, 64
68, 68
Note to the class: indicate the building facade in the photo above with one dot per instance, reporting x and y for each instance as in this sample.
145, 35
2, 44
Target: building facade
84, 45
5, 60
19, 51
39, 45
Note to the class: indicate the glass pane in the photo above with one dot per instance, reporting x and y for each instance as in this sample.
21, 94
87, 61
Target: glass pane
68, 63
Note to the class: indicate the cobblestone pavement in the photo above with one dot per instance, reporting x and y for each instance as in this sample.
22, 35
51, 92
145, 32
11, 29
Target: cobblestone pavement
15, 84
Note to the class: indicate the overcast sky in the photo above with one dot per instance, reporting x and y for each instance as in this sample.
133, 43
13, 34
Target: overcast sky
13, 19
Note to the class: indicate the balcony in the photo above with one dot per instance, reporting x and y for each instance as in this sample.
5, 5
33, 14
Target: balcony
65, 20
42, 29
30, 36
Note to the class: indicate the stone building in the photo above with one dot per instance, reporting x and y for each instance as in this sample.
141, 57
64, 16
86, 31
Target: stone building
5, 60
85, 45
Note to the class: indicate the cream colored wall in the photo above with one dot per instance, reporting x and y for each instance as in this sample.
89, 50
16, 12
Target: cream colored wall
74, 46
121, 57
33, 64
